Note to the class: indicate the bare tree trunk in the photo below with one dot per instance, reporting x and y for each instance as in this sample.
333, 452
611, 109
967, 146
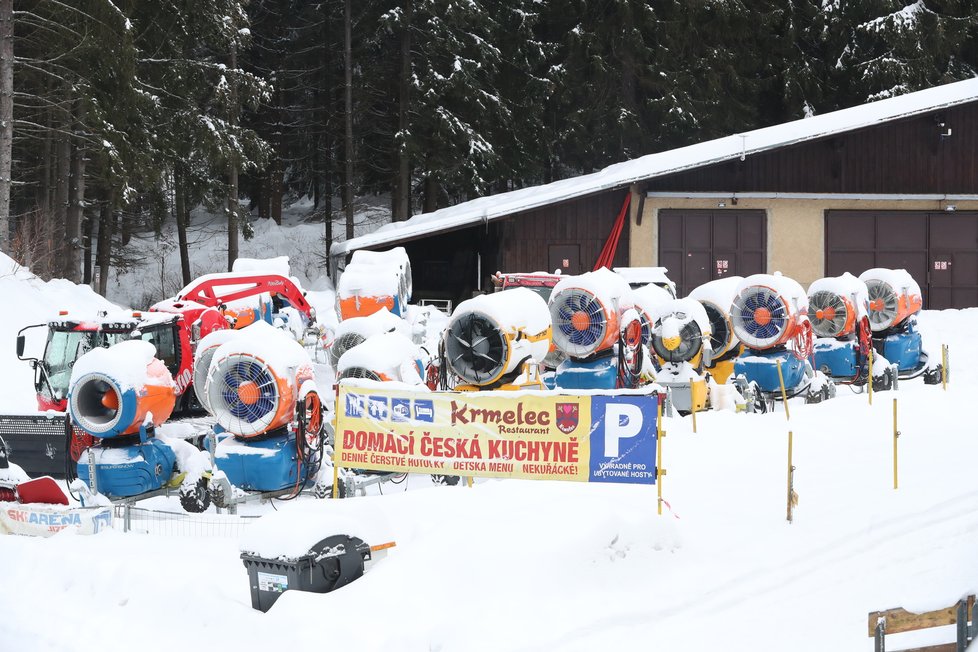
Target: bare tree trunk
275, 196
430, 194
348, 118
327, 159
402, 207
106, 226
88, 226
6, 116
233, 172
76, 202
60, 207
180, 208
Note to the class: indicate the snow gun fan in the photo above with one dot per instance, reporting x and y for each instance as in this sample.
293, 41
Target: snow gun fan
261, 392
385, 357
894, 301
119, 395
206, 348
680, 337
353, 332
490, 338
716, 297
770, 317
589, 326
838, 309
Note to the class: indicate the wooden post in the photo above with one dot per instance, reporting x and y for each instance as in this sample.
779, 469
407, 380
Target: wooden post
896, 434
791, 479
660, 435
693, 400
784, 394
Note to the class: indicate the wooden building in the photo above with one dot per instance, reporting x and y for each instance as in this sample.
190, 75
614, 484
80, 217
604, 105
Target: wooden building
893, 184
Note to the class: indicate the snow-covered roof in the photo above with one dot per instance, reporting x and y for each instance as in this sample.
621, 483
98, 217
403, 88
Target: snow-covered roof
485, 209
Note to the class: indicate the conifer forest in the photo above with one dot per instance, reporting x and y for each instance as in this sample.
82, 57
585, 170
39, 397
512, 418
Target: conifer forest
119, 116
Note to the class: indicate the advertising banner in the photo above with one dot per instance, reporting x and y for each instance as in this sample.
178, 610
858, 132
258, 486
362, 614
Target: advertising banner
537, 436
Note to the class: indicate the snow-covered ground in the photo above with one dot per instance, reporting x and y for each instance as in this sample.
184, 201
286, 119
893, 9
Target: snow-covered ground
518, 565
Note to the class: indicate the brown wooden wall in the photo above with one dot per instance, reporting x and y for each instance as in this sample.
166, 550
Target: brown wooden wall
525, 238
904, 157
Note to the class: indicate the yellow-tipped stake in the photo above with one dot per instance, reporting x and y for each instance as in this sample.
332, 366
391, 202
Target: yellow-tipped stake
468, 481
694, 410
791, 479
870, 384
659, 471
944, 366
896, 434
784, 394
336, 450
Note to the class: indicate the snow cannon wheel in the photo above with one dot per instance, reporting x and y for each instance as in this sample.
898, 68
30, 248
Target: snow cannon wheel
447, 480
195, 498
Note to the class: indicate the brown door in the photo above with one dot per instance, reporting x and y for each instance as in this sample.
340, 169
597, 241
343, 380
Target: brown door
566, 258
953, 260
698, 246
939, 249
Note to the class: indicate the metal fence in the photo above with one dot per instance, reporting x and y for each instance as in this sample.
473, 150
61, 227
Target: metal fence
129, 518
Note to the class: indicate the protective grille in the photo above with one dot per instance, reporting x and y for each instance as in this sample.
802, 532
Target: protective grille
243, 394
359, 372
719, 328
579, 322
828, 313
476, 348
201, 365
344, 343
760, 317
883, 304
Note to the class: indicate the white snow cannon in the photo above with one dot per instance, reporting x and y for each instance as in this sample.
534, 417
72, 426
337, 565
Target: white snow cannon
385, 357
894, 301
717, 296
354, 331
597, 330
260, 390
490, 338
374, 280
770, 317
681, 339
838, 308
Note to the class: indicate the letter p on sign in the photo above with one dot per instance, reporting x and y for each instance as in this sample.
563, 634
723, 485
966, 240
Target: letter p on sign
621, 421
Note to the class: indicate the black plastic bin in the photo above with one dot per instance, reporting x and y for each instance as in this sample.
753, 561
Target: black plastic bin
333, 562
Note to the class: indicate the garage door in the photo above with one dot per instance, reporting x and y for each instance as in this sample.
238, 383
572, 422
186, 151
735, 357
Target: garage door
698, 246
939, 249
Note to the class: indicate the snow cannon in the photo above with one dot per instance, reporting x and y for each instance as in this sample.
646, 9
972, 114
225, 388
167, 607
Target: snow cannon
588, 326
717, 297
490, 338
385, 357
770, 317
372, 281
838, 309
261, 392
206, 348
354, 331
681, 339
114, 390
646, 300
119, 395
894, 301
396, 259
